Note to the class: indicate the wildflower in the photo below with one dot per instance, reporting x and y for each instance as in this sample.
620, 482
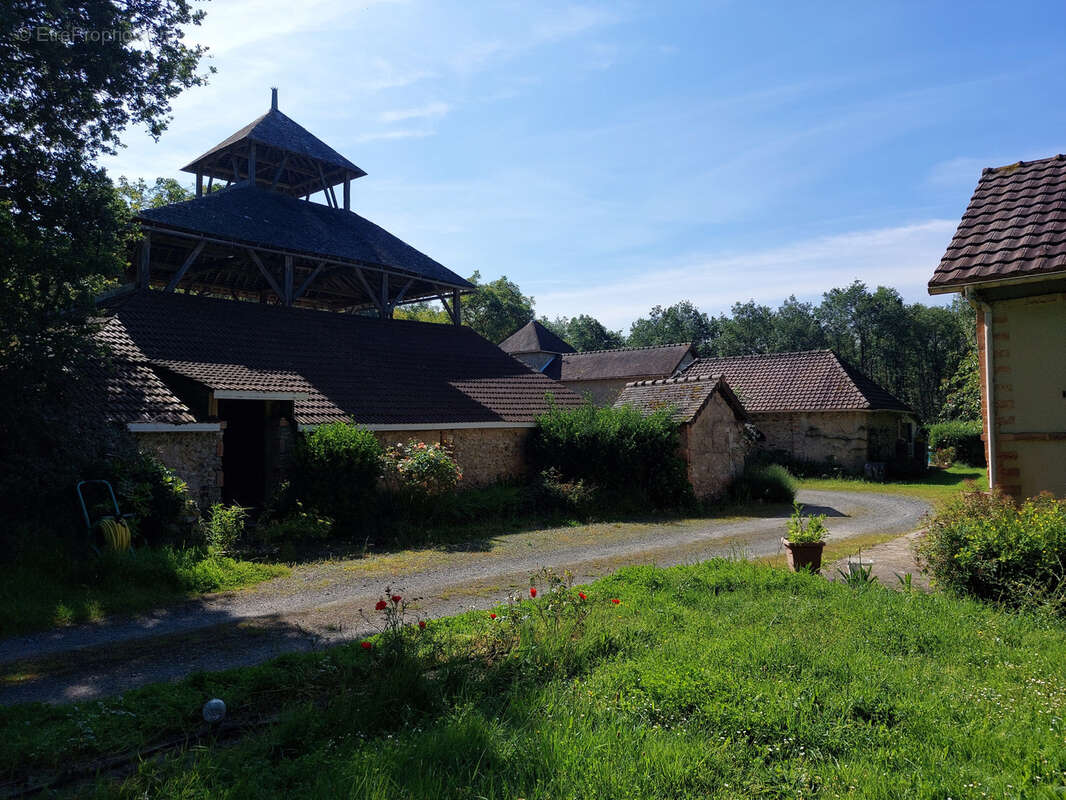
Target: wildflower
381, 605
421, 624
615, 600
396, 599
366, 645
583, 596
492, 616
532, 591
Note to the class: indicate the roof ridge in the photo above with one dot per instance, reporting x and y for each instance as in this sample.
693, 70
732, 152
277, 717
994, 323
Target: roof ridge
768, 355
1019, 164
629, 349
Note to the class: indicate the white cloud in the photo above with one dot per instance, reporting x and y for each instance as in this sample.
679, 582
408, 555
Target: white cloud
902, 257
429, 110
402, 133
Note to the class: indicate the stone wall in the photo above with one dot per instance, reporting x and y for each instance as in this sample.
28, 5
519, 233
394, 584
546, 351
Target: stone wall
714, 448
847, 438
838, 436
194, 456
485, 455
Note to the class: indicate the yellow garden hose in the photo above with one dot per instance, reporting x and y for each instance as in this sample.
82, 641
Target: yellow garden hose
116, 533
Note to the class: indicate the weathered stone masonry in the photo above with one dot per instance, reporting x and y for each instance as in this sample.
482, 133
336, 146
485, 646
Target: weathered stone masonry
485, 455
194, 456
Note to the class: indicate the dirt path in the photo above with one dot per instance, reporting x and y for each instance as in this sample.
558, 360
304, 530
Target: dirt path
320, 604
890, 563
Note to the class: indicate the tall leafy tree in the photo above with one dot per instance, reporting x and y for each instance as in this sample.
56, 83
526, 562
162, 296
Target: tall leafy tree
748, 331
584, 333
73, 77
138, 194
496, 309
681, 322
796, 327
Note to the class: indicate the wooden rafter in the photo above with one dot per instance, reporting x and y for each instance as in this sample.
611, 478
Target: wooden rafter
185, 266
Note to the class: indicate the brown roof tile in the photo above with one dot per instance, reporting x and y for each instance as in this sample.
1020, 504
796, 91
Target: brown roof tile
350, 367
812, 380
1014, 227
626, 362
685, 395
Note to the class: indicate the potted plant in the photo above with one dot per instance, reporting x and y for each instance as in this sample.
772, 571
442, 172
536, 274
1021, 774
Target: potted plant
805, 540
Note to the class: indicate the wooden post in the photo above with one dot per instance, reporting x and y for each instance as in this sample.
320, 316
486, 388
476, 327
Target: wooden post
199, 184
143, 271
457, 317
251, 164
347, 194
384, 306
288, 280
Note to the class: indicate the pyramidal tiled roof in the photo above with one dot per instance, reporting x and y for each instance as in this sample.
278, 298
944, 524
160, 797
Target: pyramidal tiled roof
342, 366
1014, 227
274, 129
533, 337
685, 395
811, 380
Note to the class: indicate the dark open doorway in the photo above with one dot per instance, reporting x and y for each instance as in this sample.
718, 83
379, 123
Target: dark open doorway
244, 450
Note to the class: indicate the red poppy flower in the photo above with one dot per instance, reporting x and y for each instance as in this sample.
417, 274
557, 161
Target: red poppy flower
492, 616
615, 600
532, 591
422, 624
396, 599
583, 596
366, 645
381, 605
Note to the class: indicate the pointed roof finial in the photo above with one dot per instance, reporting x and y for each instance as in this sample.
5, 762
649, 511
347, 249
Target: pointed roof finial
273, 98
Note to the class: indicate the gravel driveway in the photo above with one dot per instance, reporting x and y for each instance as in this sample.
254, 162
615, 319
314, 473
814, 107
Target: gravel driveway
319, 604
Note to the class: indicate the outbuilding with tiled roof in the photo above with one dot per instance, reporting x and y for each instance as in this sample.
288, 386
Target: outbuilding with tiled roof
813, 407
253, 311
714, 439
1008, 259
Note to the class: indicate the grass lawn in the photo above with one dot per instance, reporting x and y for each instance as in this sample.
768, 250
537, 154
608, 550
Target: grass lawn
49, 589
936, 486
723, 679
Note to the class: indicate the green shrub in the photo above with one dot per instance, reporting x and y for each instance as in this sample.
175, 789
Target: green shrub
421, 470
299, 526
224, 527
989, 547
805, 529
159, 500
620, 453
336, 471
768, 483
482, 503
964, 436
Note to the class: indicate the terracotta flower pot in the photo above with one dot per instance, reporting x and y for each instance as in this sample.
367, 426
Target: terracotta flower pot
804, 555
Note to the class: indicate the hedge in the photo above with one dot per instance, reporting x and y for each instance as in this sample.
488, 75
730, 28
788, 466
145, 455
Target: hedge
964, 436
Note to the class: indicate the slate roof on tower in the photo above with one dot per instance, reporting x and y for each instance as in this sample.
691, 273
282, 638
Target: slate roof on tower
339, 366
1014, 227
811, 380
251, 215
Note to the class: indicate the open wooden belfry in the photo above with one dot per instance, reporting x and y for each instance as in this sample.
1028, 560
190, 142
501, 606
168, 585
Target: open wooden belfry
256, 230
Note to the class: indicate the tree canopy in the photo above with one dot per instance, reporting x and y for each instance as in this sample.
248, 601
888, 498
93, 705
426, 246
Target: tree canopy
584, 333
73, 77
681, 322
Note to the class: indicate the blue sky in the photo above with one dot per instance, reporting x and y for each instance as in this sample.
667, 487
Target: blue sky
612, 157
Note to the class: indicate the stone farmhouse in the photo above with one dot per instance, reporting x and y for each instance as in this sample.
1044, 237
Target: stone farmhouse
714, 439
254, 311
1008, 259
814, 407
599, 375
